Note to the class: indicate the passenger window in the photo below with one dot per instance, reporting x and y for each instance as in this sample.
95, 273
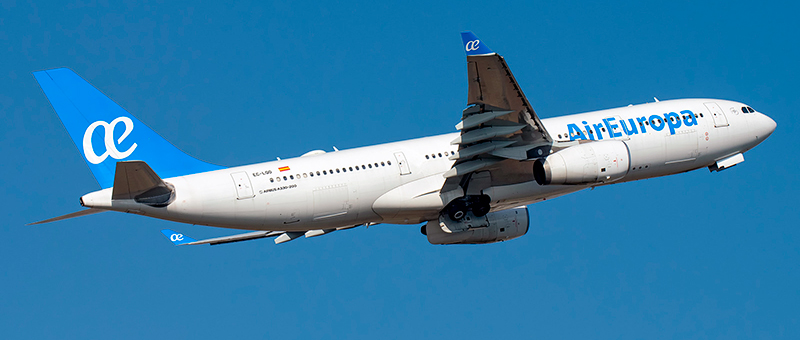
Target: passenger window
432, 156
376, 165
440, 154
370, 166
701, 114
272, 180
603, 129
306, 175
317, 173
311, 174
389, 162
337, 170
383, 164
278, 178
351, 168
324, 172
285, 179
291, 177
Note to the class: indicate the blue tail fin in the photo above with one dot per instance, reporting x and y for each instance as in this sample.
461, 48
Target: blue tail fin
105, 133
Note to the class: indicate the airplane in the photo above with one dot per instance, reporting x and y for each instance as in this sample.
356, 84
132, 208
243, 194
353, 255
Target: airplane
471, 186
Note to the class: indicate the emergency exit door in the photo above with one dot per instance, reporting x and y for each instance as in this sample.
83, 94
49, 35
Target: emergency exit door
716, 112
402, 163
243, 187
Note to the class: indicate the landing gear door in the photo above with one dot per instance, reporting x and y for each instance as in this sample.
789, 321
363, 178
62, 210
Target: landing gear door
402, 163
244, 189
719, 117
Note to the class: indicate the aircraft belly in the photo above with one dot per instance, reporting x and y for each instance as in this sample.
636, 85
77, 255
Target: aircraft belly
412, 202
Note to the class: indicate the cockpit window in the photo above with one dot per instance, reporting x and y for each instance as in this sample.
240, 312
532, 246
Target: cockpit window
751, 109
744, 109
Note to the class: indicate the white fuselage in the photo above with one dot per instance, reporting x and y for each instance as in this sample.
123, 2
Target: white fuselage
399, 182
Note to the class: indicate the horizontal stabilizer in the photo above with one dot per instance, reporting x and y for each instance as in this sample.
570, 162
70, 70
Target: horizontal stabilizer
64, 217
180, 239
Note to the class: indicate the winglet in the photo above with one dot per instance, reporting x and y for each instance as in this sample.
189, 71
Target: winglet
177, 238
473, 45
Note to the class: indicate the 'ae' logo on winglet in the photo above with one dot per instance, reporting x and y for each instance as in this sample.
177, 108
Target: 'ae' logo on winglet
108, 139
176, 237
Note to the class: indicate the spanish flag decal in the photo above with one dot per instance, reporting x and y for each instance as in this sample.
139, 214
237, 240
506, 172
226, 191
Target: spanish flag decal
283, 168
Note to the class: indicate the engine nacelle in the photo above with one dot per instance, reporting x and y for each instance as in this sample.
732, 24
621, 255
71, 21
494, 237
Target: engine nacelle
493, 227
595, 162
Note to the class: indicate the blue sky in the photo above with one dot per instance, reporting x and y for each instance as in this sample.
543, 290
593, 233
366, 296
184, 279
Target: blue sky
692, 256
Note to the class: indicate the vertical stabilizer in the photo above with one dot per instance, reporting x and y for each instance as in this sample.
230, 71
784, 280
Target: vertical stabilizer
105, 133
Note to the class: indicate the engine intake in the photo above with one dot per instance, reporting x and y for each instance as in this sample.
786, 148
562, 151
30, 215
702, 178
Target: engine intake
595, 162
494, 227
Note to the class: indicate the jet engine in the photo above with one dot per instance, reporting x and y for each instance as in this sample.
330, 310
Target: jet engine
493, 227
594, 162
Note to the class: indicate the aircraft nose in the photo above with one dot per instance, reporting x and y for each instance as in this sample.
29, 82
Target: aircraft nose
765, 126
769, 125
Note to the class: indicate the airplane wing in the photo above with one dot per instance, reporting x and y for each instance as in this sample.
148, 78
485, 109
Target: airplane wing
499, 128
180, 239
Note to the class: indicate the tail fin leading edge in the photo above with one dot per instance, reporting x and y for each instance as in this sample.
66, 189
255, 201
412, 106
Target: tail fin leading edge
105, 133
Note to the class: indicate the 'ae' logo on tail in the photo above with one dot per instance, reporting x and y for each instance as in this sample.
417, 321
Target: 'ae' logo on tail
108, 140
473, 45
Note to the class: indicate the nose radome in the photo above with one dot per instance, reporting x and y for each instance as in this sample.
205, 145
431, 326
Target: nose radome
768, 125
